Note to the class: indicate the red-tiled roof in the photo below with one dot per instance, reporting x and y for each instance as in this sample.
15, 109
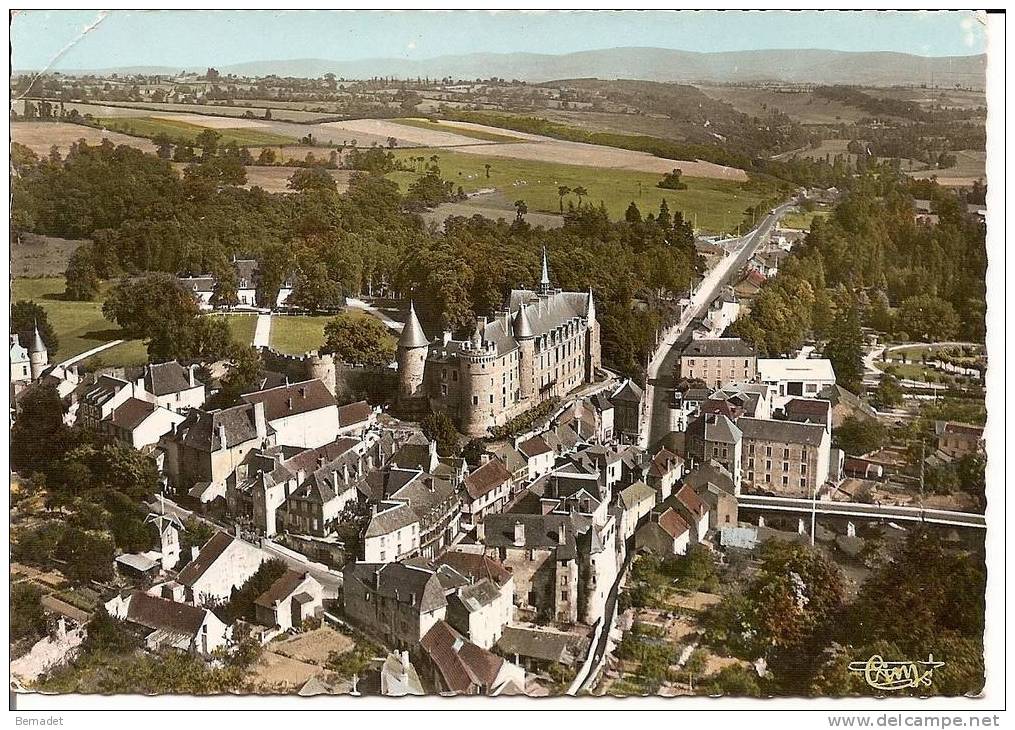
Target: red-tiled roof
476, 566
282, 588
486, 478
354, 413
291, 400
534, 447
161, 613
460, 663
690, 499
209, 553
132, 413
673, 523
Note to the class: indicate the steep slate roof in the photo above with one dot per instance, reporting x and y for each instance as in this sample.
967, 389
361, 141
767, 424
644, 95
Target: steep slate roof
246, 273
718, 347
475, 596
785, 432
412, 333
460, 663
710, 472
390, 516
291, 400
543, 644
475, 566
132, 413
161, 613
663, 462
541, 531
200, 429
486, 478
403, 583
962, 429
104, 388
209, 553
202, 284
167, 378
722, 429
629, 392
281, 589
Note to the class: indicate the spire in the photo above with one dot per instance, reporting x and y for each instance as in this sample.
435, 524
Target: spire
544, 281
590, 307
37, 344
412, 334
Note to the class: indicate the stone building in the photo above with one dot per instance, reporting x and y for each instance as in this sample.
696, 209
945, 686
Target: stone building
544, 345
785, 457
719, 361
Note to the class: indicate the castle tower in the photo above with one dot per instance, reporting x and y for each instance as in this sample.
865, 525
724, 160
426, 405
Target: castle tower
411, 357
38, 356
323, 368
526, 355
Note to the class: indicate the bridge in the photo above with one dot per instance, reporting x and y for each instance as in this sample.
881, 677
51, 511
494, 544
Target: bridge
891, 513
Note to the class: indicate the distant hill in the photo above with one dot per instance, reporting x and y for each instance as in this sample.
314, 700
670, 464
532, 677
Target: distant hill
816, 66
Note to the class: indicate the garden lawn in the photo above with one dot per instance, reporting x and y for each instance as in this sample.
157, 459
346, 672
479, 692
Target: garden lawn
297, 334
711, 204
80, 326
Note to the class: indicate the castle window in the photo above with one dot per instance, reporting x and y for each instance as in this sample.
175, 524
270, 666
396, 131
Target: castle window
454, 375
444, 373
444, 389
475, 400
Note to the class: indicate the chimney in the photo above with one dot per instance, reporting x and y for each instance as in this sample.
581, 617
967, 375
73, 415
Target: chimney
190, 376
562, 534
195, 550
377, 580
260, 424
345, 472
303, 391
484, 458
222, 436
334, 480
289, 402
404, 657
480, 532
519, 534
446, 336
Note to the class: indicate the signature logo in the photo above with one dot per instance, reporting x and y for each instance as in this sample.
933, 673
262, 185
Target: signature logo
891, 676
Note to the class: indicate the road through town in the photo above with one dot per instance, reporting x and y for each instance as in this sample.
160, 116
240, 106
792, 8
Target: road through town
657, 395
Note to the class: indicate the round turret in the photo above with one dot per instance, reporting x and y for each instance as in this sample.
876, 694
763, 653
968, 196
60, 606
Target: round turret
411, 356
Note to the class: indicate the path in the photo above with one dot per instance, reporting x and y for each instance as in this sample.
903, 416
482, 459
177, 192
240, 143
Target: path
895, 513
355, 303
88, 353
262, 330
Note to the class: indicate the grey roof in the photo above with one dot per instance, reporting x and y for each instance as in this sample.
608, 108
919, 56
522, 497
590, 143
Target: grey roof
721, 429
412, 333
541, 531
543, 644
246, 272
637, 492
477, 595
786, 432
710, 472
718, 347
37, 344
522, 325
404, 583
166, 378
292, 399
629, 392
200, 430
104, 388
390, 516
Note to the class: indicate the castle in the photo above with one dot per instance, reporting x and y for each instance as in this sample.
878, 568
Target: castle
545, 344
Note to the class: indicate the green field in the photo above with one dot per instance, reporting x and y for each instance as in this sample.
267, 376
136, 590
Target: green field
150, 127
456, 129
712, 205
295, 335
801, 219
80, 326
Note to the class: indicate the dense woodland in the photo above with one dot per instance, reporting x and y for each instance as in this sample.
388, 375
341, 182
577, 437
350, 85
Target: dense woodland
871, 264
142, 217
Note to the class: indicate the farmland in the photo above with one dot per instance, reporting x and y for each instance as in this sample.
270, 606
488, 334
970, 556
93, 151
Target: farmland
481, 134
179, 129
715, 205
801, 105
41, 136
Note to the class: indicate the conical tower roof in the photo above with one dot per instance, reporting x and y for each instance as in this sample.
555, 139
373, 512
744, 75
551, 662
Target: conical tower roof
522, 325
37, 344
412, 334
545, 278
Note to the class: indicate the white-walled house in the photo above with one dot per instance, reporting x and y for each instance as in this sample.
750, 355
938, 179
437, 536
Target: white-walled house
636, 501
223, 563
481, 610
171, 385
487, 491
139, 423
391, 534
302, 414
538, 456
289, 601
169, 624
796, 376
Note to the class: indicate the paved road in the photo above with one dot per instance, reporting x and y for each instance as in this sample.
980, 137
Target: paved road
872, 511
262, 330
88, 353
665, 361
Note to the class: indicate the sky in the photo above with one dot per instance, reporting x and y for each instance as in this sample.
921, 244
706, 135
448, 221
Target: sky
75, 40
